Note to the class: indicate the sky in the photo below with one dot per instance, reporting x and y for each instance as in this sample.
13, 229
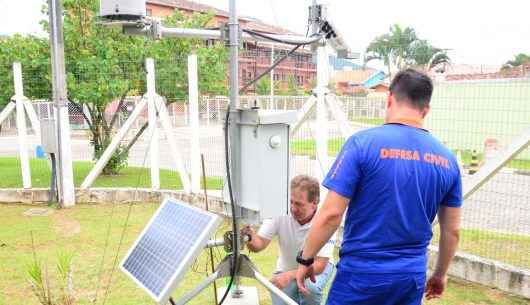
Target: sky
483, 32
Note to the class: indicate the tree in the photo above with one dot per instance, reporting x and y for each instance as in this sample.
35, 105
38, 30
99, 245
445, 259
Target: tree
292, 87
33, 54
263, 86
104, 66
518, 60
425, 56
402, 48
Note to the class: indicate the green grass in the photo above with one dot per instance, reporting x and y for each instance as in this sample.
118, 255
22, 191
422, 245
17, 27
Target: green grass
129, 177
511, 249
521, 164
370, 121
308, 148
87, 230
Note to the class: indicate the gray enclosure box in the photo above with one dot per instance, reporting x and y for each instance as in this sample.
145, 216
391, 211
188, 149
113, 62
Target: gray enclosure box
48, 136
122, 10
263, 165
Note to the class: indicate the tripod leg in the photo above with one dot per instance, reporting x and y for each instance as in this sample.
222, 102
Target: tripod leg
190, 295
273, 289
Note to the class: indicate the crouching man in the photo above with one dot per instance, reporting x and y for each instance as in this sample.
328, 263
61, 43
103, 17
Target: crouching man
291, 231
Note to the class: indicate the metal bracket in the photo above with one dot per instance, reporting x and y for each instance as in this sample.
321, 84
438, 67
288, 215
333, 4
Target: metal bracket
156, 29
315, 13
224, 29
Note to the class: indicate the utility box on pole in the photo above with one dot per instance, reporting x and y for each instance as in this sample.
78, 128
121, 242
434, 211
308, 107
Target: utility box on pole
49, 135
262, 186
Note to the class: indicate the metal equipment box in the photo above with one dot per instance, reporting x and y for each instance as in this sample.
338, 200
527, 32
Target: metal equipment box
48, 136
262, 178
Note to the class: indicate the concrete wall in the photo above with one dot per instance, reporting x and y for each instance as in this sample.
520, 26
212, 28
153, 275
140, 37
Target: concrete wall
118, 195
486, 272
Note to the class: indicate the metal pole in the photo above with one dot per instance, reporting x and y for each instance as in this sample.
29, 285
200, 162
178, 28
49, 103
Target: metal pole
205, 186
21, 126
272, 73
193, 101
234, 140
64, 153
154, 149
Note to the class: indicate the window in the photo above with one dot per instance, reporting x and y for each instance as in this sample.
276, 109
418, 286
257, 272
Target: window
149, 12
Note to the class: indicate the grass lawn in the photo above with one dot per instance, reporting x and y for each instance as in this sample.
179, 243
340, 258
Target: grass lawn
308, 148
87, 230
507, 248
129, 177
371, 121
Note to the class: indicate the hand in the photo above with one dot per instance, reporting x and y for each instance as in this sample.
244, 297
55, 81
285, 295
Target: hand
248, 230
303, 273
281, 280
435, 286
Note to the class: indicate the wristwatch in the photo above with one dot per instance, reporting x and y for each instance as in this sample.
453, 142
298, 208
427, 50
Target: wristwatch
306, 262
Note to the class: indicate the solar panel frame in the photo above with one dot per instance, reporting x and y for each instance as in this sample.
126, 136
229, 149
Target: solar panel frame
192, 253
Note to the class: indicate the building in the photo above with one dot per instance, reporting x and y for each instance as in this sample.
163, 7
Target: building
255, 57
358, 81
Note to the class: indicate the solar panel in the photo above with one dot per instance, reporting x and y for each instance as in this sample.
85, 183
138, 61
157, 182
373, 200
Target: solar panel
167, 246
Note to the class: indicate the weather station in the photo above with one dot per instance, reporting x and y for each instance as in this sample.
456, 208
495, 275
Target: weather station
256, 156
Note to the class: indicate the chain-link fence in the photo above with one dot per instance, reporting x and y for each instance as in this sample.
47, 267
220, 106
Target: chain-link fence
476, 119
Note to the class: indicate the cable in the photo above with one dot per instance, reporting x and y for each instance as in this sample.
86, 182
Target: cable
235, 253
255, 80
127, 218
271, 38
232, 205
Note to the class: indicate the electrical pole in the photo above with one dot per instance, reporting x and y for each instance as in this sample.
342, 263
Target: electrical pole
64, 149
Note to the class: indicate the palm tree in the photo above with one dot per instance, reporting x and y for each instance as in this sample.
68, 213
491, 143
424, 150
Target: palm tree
380, 49
426, 57
401, 41
401, 48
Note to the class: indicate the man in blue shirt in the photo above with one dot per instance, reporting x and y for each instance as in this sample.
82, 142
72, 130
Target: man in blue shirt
392, 180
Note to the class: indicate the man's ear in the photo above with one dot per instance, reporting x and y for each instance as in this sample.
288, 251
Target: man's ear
389, 100
425, 111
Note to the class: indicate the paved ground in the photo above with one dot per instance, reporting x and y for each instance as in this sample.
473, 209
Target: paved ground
503, 204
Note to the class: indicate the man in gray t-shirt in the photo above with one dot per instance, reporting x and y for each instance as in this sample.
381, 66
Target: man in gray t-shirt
291, 231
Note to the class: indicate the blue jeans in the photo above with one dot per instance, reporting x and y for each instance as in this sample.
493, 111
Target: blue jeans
350, 288
316, 289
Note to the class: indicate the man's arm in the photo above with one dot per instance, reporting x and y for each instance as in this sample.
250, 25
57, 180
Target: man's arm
449, 219
281, 280
256, 243
326, 222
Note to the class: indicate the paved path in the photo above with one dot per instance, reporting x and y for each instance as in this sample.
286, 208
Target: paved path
503, 204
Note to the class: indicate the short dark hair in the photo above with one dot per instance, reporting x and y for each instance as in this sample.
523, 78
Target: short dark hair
412, 86
307, 184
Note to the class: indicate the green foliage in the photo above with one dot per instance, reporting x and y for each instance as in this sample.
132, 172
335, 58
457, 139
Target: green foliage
263, 86
117, 161
402, 48
518, 60
41, 285
104, 66
33, 54
292, 87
